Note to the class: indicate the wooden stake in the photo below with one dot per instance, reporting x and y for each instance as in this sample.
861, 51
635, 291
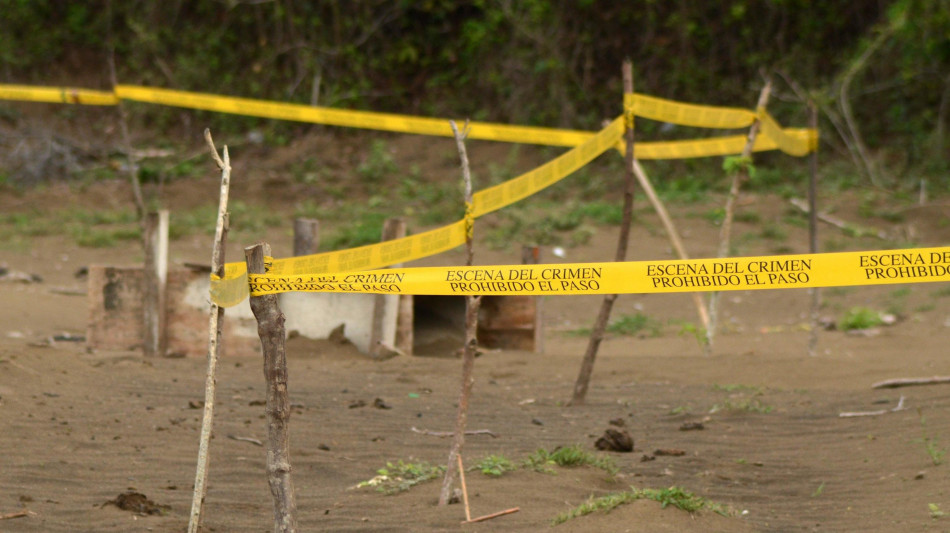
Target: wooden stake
725, 232
156, 277
597, 333
393, 228
270, 328
468, 513
813, 234
531, 255
671, 231
16, 514
494, 515
907, 382
215, 326
853, 414
471, 335
306, 236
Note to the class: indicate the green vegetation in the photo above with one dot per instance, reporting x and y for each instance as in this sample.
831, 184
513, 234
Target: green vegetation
860, 318
935, 511
441, 59
635, 324
743, 398
749, 405
402, 475
367, 229
494, 465
378, 164
569, 456
399, 476
738, 387
818, 492
673, 496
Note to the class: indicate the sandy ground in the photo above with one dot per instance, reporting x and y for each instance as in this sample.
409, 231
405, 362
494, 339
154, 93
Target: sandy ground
79, 427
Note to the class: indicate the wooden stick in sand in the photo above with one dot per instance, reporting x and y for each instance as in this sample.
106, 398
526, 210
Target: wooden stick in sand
468, 512
597, 332
725, 232
675, 240
216, 324
908, 382
813, 233
472, 304
17, 514
273, 334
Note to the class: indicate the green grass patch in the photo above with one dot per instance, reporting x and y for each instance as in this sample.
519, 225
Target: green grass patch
635, 324
860, 318
378, 166
627, 325
568, 456
672, 496
91, 237
494, 465
401, 476
738, 387
737, 405
368, 229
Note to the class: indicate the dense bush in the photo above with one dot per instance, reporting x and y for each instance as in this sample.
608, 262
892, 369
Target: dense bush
554, 63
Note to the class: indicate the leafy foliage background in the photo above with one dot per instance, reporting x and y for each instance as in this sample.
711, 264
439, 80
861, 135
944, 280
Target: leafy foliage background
553, 63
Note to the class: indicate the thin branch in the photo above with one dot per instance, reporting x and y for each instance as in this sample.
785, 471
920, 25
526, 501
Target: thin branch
444, 434
853, 414
215, 331
472, 304
908, 382
494, 515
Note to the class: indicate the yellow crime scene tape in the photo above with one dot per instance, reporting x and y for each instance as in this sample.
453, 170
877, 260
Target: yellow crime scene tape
703, 116
232, 288
57, 95
350, 118
879, 267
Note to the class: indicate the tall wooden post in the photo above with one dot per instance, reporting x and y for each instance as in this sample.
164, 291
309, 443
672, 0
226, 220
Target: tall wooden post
531, 255
306, 236
472, 304
813, 231
597, 333
215, 326
270, 328
156, 277
725, 232
393, 228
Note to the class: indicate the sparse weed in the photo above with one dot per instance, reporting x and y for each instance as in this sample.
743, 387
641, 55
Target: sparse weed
378, 164
860, 318
715, 216
749, 405
689, 329
400, 476
635, 324
748, 217
494, 465
935, 511
773, 232
366, 230
738, 387
673, 496
569, 456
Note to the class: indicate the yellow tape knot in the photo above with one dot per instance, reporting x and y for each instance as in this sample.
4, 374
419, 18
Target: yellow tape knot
469, 221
